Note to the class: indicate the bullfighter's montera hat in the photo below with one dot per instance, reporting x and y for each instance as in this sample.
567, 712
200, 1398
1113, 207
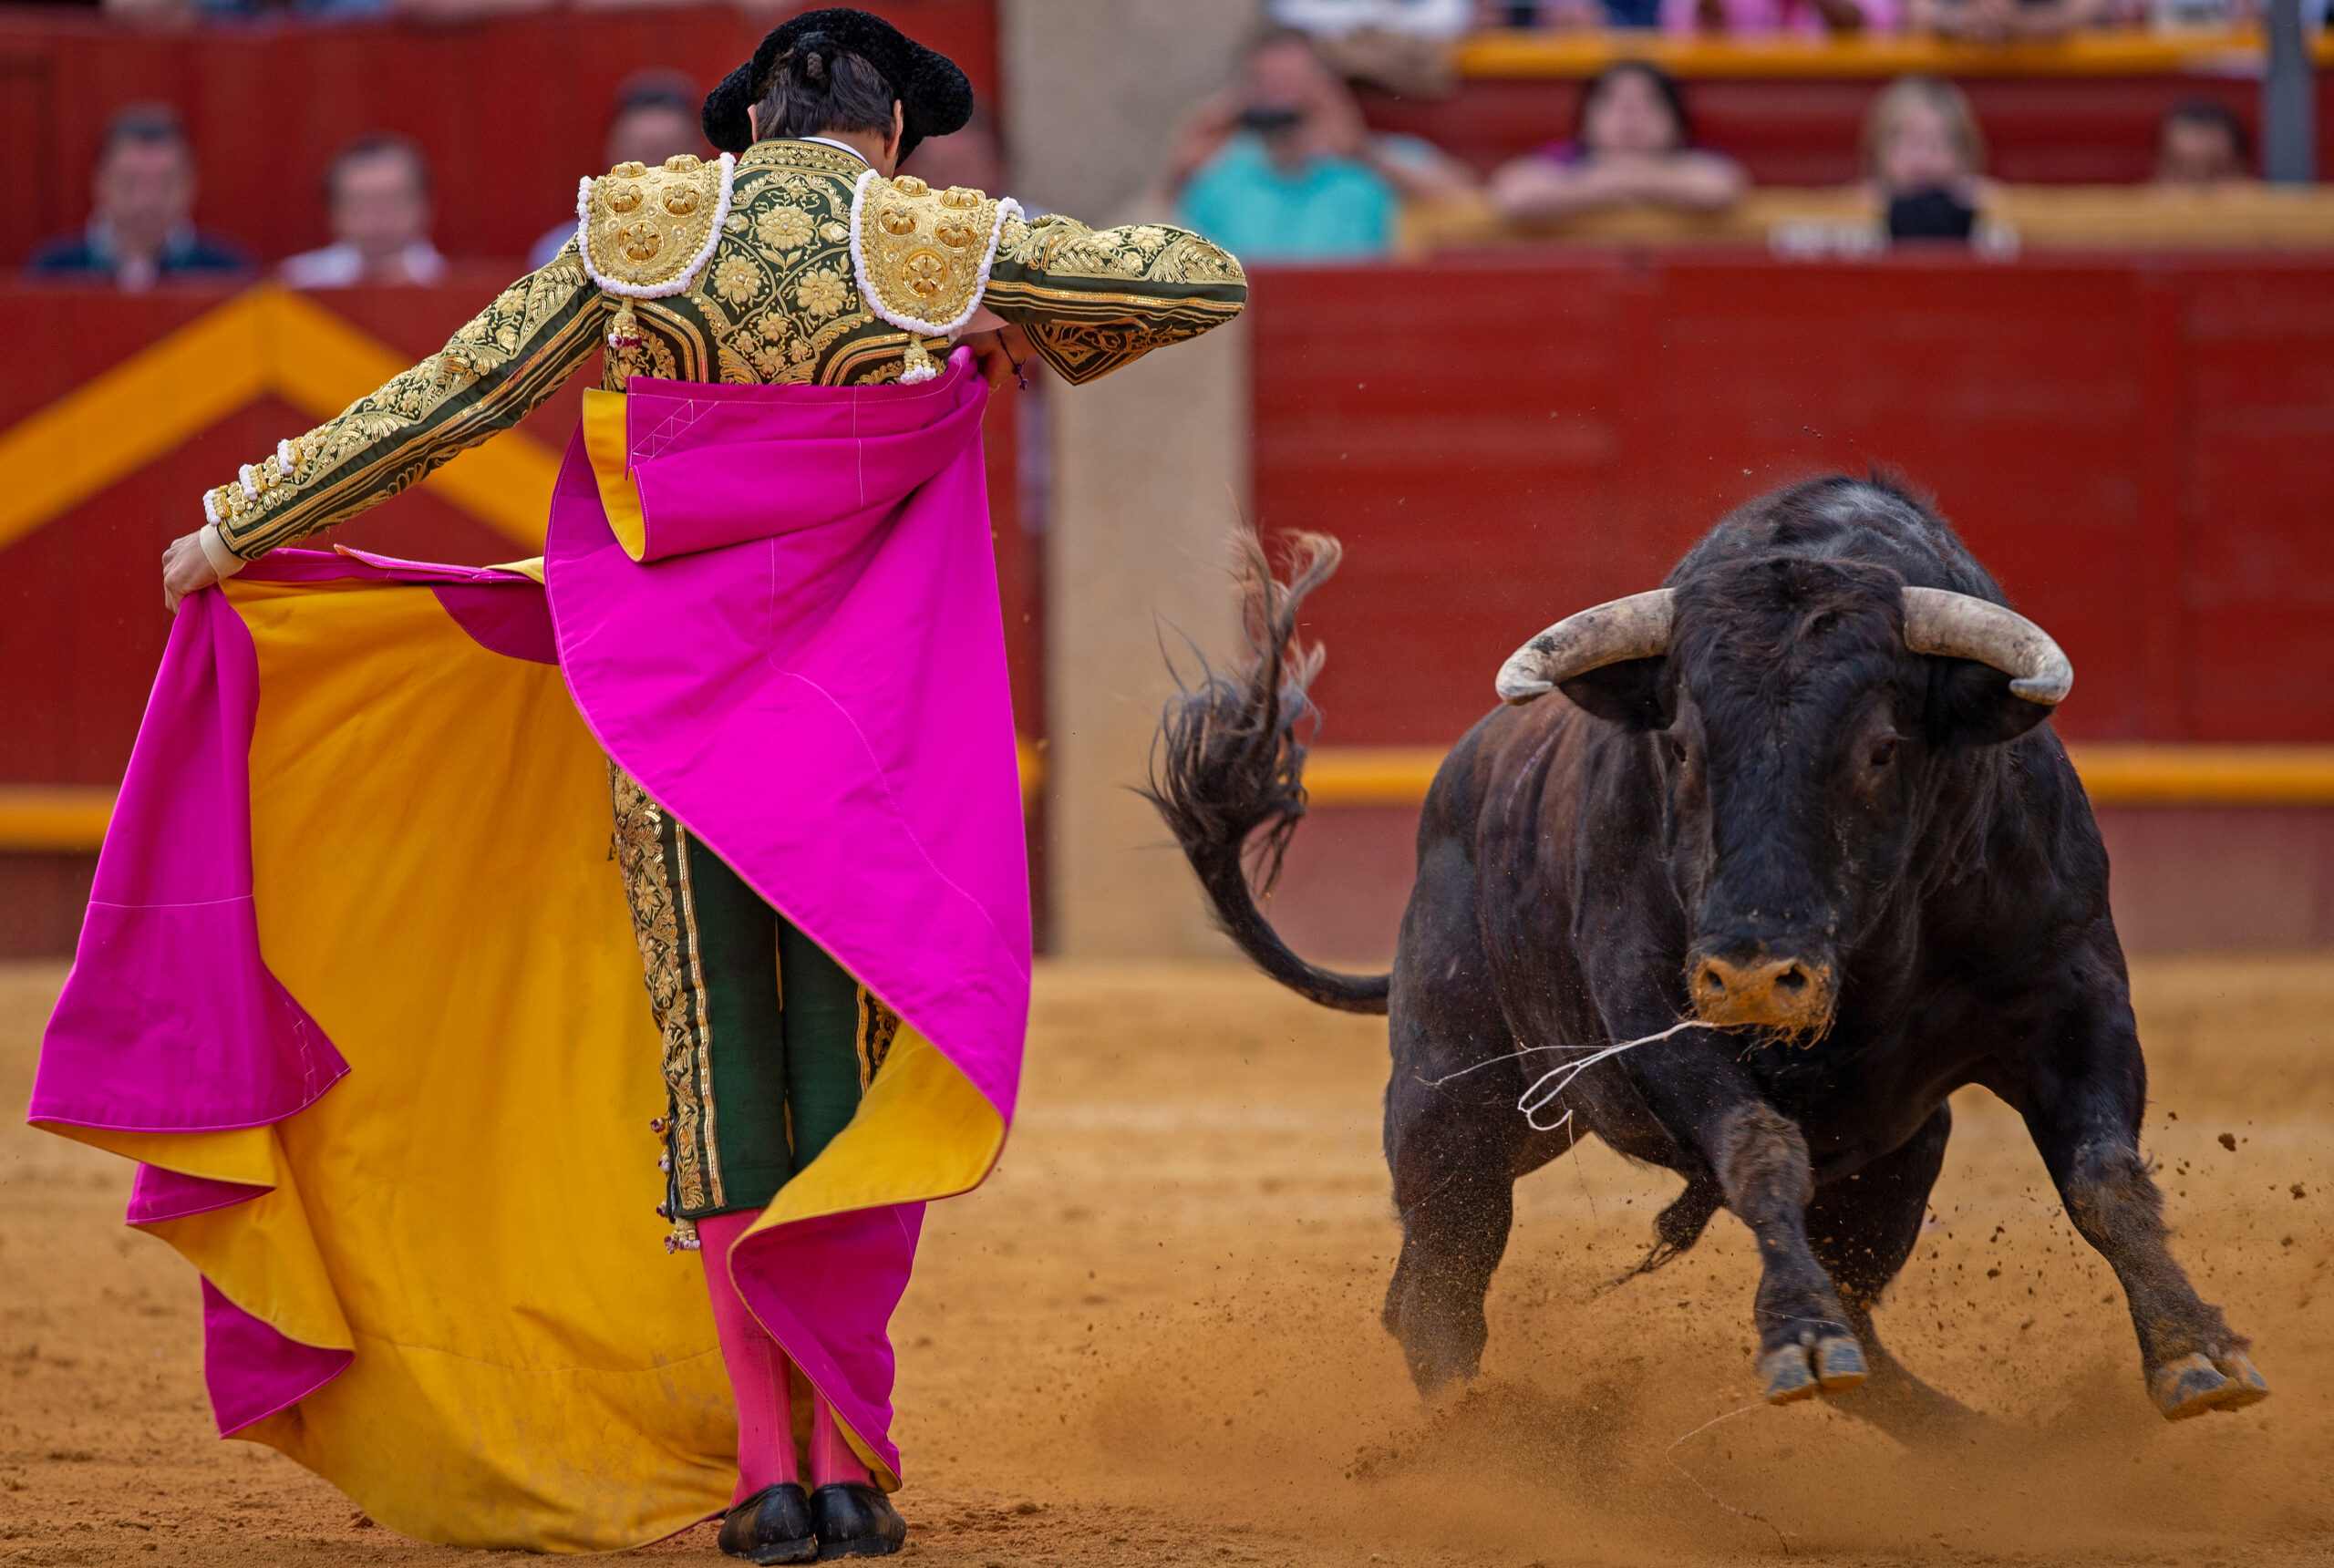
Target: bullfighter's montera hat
934, 96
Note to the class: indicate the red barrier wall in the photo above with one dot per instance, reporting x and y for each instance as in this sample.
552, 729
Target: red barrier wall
512, 110
2089, 130
2137, 447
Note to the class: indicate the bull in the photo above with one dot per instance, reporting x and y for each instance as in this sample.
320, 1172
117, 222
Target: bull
1746, 876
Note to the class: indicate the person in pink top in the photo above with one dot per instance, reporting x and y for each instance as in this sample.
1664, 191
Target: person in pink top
1633, 147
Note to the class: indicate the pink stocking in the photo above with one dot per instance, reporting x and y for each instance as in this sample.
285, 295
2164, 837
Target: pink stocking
757, 1366
830, 1457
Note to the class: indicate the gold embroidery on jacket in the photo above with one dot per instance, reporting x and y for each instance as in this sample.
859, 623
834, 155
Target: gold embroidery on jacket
645, 227
665, 929
923, 250
777, 304
877, 1027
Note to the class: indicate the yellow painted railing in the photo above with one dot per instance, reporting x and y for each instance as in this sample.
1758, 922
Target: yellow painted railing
1526, 54
2115, 775
43, 818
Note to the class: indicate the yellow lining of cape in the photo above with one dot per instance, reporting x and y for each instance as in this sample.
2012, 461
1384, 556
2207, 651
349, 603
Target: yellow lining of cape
469, 1209
607, 444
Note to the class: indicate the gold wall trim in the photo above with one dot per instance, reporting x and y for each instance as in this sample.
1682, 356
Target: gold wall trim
2114, 774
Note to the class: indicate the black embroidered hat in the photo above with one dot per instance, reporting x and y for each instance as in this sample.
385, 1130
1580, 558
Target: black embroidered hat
934, 97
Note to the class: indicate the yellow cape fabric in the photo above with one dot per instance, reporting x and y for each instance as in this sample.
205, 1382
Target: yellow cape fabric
471, 1211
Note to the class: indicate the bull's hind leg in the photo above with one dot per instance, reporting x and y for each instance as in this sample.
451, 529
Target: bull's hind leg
1455, 1140
1861, 1229
2082, 1097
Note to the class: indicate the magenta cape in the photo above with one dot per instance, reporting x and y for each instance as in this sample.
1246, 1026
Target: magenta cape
354, 934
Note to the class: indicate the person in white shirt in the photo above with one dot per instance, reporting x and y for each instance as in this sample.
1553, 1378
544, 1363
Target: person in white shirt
379, 190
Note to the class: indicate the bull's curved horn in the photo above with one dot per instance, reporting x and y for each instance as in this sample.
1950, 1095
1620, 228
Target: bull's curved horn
1961, 627
1636, 627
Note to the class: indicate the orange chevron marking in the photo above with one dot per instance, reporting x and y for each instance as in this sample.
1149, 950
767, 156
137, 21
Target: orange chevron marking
263, 342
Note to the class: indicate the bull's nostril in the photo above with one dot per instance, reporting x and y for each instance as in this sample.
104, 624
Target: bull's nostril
1794, 980
1707, 978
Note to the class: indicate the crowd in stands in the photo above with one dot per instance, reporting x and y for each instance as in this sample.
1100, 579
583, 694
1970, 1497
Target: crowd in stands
1279, 165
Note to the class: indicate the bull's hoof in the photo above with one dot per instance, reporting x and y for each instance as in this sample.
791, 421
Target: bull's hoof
1839, 1365
1796, 1372
2198, 1383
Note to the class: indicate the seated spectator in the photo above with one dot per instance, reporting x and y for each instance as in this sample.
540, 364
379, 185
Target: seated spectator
1924, 159
2202, 143
1996, 21
378, 189
1280, 167
140, 226
655, 116
1633, 146
1767, 19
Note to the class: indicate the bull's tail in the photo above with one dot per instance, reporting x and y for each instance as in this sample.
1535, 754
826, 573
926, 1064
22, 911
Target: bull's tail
1227, 769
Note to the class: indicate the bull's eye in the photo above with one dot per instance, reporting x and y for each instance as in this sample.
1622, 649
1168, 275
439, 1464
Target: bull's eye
1884, 753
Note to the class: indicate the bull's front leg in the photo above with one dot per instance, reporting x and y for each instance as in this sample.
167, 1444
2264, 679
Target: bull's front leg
1758, 1157
1805, 1344
2082, 1094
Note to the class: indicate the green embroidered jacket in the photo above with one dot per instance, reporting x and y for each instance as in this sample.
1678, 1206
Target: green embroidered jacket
751, 278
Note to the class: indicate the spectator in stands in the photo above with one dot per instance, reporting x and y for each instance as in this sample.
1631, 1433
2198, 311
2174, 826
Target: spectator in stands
1766, 18
140, 225
1572, 12
1924, 159
1996, 21
1633, 146
2202, 143
378, 189
1279, 166
655, 116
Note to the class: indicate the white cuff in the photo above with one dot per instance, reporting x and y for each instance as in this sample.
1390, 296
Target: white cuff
223, 561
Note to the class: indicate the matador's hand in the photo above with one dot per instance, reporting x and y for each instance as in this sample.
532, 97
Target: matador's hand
185, 570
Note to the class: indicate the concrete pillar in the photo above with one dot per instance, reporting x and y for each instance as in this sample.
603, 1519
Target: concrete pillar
1149, 466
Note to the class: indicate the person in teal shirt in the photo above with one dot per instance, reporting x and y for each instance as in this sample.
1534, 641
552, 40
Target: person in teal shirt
1281, 168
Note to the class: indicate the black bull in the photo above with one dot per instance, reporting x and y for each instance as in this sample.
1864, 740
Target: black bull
1861, 877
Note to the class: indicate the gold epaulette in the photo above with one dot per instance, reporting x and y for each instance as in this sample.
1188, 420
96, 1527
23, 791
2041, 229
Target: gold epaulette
923, 255
646, 233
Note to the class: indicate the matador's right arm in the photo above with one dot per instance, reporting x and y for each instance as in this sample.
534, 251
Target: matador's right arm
487, 378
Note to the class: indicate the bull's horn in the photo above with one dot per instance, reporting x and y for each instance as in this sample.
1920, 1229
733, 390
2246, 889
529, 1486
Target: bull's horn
1636, 627
1961, 627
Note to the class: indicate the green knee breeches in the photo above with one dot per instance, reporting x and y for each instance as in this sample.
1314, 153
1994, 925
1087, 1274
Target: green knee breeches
767, 1041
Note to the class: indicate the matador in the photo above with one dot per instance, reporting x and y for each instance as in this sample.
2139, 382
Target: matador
768, 595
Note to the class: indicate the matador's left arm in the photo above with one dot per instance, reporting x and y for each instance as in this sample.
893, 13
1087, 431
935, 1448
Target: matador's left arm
1090, 301
487, 378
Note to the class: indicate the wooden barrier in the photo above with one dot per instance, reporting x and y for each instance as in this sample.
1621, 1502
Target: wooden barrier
2081, 110
2134, 445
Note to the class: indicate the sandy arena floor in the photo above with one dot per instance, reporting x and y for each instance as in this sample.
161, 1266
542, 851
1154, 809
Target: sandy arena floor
1153, 1336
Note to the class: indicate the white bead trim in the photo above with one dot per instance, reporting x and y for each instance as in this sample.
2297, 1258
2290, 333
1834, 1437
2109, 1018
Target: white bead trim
1008, 208
248, 476
211, 508
283, 459
672, 285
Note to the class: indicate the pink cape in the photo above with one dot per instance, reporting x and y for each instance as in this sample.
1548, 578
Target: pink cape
816, 685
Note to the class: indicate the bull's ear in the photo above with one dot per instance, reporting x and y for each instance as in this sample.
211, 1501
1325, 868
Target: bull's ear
1633, 694
1971, 703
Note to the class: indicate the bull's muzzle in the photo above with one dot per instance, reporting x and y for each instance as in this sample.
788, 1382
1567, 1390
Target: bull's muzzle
1791, 995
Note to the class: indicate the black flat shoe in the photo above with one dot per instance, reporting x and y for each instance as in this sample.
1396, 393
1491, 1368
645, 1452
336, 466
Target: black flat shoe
772, 1526
854, 1520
